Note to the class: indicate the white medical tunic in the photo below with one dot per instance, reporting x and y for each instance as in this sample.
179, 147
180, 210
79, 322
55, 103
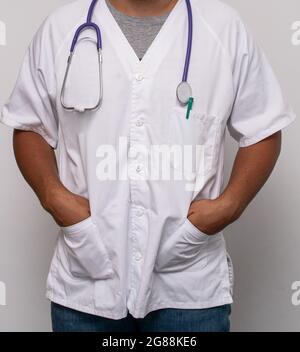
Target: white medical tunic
138, 252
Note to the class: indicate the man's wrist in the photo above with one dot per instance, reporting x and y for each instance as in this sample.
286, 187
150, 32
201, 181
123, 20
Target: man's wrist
51, 196
233, 206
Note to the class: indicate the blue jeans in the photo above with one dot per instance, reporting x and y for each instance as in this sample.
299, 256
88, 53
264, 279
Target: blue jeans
163, 320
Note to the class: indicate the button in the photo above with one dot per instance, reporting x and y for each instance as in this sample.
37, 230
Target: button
140, 213
140, 123
139, 77
138, 256
132, 151
139, 168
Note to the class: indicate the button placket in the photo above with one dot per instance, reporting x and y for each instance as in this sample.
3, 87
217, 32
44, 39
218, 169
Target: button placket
137, 168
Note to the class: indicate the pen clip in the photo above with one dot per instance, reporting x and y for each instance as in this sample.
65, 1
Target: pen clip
189, 107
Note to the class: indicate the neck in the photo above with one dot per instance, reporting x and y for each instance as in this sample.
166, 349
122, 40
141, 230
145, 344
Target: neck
143, 8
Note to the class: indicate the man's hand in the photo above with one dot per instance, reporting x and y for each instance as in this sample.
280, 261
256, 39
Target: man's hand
252, 167
212, 216
66, 207
37, 162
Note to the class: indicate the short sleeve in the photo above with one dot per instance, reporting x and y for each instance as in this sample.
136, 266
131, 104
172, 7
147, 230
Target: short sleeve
31, 106
259, 108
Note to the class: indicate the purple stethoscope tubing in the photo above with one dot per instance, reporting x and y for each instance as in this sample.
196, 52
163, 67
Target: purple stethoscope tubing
84, 27
89, 24
190, 42
184, 91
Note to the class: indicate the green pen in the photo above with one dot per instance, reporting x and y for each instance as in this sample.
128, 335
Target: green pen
189, 107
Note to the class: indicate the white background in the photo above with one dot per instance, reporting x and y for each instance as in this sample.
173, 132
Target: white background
264, 243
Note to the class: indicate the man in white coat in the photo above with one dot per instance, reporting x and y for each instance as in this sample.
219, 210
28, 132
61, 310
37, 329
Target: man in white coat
137, 185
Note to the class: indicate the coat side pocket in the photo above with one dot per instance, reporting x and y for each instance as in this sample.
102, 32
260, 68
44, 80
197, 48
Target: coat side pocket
87, 254
183, 249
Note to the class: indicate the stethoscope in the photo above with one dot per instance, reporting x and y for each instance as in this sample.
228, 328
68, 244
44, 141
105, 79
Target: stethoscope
184, 90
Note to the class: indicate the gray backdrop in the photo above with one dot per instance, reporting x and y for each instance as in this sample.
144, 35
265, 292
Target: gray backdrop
264, 243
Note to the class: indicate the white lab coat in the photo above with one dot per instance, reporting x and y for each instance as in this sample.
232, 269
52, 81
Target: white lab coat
138, 252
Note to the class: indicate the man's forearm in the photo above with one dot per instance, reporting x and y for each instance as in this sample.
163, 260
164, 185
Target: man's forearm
252, 168
37, 163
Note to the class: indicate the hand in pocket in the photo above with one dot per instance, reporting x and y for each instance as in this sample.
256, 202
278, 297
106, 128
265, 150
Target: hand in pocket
182, 249
210, 216
68, 208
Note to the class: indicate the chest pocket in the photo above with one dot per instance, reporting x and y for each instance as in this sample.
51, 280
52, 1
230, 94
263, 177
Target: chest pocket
201, 134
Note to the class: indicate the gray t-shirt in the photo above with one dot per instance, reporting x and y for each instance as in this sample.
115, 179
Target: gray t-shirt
139, 31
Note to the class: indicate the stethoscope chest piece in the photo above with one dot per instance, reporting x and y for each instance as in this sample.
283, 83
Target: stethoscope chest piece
184, 93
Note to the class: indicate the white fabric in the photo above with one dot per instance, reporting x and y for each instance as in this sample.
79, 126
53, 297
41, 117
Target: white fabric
138, 251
